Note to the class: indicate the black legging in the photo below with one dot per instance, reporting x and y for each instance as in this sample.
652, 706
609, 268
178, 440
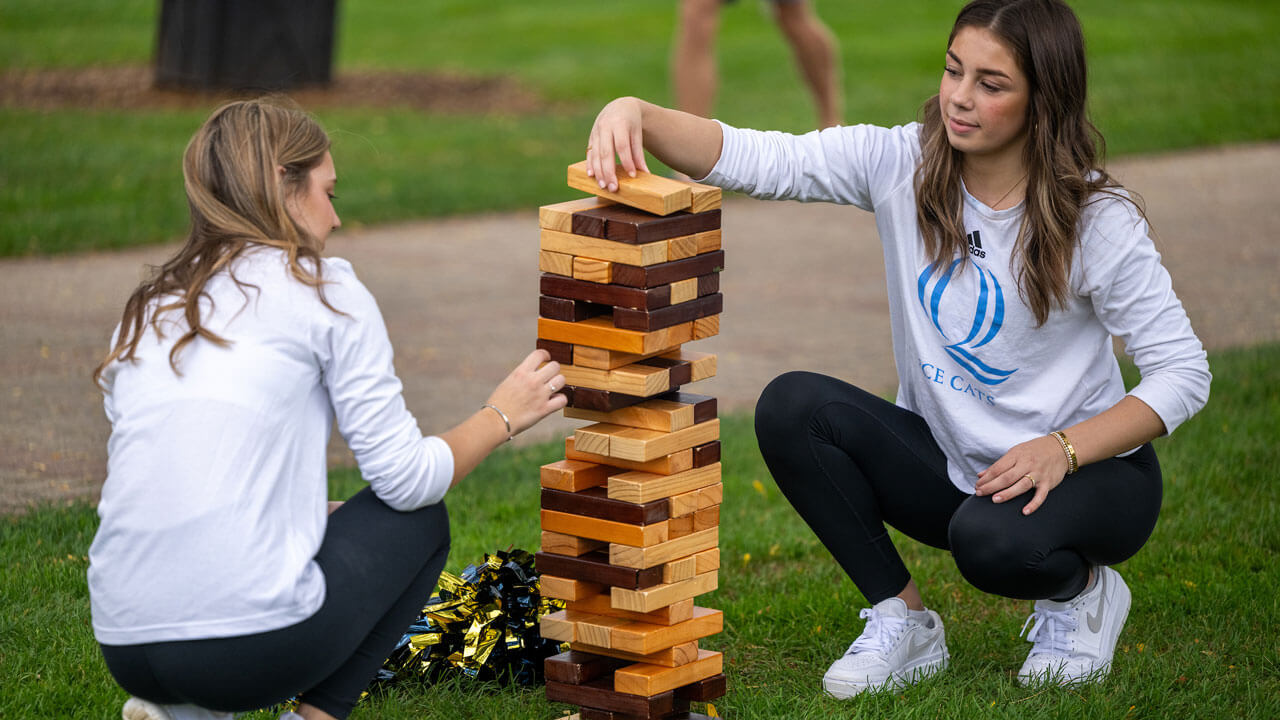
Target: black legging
380, 566
850, 462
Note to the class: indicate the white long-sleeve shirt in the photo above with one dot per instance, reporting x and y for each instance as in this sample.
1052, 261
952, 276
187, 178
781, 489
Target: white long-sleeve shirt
215, 500
969, 355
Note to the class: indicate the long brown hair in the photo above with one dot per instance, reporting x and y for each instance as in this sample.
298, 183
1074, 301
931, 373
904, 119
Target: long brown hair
237, 196
1064, 151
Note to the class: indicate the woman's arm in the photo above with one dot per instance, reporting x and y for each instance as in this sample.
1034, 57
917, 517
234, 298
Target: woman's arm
628, 126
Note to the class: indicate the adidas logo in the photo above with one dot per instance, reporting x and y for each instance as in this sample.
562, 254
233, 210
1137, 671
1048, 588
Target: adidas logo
975, 244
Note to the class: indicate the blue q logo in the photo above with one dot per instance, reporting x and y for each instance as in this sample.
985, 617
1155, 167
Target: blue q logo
988, 314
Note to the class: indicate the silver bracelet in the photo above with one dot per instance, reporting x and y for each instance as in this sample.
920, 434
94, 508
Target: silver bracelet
505, 420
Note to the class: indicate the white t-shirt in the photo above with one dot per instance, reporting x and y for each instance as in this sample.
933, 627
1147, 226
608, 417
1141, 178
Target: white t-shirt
215, 500
971, 360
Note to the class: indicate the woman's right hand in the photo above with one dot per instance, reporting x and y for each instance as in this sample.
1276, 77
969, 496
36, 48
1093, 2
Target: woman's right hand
618, 131
531, 392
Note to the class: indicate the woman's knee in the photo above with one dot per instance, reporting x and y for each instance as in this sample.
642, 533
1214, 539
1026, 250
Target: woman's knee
786, 403
987, 553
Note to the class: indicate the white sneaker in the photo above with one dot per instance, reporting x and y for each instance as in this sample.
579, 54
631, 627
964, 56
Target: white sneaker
894, 650
1075, 640
139, 709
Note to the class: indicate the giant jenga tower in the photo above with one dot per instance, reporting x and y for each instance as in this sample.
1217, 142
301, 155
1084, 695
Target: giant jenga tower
630, 517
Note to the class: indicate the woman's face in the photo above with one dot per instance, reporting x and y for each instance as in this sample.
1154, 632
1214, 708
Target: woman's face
312, 207
983, 95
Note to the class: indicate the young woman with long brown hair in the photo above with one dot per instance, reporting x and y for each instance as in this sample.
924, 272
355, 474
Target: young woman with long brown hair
1012, 259
218, 580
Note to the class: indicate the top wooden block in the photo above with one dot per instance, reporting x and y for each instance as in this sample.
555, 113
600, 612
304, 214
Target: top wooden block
653, 193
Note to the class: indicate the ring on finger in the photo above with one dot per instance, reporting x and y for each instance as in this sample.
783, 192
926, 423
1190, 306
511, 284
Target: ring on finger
551, 387
1033, 480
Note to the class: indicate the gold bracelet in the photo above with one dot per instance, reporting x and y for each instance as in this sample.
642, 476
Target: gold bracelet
1073, 463
502, 415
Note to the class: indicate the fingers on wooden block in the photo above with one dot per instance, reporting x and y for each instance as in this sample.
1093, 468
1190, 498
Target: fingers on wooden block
651, 598
601, 333
640, 444
649, 192
641, 487
675, 463
645, 378
595, 568
572, 475
568, 589
563, 544
646, 680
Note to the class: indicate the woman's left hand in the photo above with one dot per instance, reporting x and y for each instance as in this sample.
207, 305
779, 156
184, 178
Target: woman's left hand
1037, 465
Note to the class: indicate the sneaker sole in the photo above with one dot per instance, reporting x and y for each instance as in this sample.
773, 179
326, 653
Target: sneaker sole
926, 668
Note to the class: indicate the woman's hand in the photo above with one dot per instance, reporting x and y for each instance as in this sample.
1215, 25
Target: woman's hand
1037, 465
530, 392
617, 131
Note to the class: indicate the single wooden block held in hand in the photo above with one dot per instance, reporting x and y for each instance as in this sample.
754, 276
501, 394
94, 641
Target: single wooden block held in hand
649, 192
646, 680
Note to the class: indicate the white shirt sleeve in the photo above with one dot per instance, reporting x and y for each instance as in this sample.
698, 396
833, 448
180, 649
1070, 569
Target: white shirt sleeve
855, 165
1132, 294
406, 470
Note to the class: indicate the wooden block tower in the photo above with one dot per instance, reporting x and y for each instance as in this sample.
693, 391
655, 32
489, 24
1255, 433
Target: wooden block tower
630, 517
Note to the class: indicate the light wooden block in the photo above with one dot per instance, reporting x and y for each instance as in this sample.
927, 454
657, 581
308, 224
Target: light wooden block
663, 552
695, 500
706, 518
560, 215
556, 263
556, 626
606, 530
573, 475
604, 359
683, 569
599, 332
649, 192
596, 630
592, 270
679, 527
684, 290
601, 249
707, 560
644, 639
672, 464
646, 680
641, 487
600, 604
652, 598
642, 444
704, 197
708, 241
672, 657
706, 327
561, 544
640, 380
568, 589
685, 246
702, 365
655, 414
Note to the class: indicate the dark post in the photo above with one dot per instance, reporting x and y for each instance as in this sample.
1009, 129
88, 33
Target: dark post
245, 44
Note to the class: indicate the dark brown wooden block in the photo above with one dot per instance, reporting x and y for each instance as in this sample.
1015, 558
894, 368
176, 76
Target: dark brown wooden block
704, 690
572, 310
708, 284
599, 693
560, 352
615, 295
587, 713
601, 400
649, 320
705, 454
595, 502
576, 667
680, 372
626, 224
668, 272
594, 567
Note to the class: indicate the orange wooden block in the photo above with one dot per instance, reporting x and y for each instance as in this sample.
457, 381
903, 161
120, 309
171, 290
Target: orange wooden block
604, 359
561, 544
638, 380
649, 192
672, 657
599, 332
706, 327
707, 560
568, 589
644, 639
706, 518
695, 500
607, 530
573, 475
641, 487
678, 527
685, 246
600, 604
670, 465
663, 552
650, 599
648, 680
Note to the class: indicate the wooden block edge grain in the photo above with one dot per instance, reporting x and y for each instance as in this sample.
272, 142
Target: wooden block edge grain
647, 680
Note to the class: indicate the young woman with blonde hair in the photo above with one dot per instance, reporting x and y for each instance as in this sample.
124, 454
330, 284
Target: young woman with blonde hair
1012, 259
218, 580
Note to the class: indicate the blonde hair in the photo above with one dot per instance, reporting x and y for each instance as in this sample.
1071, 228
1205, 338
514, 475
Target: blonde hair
238, 197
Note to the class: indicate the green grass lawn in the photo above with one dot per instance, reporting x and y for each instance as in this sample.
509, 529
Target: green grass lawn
1165, 76
1201, 639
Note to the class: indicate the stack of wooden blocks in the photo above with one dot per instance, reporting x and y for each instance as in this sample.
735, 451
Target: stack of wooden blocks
630, 517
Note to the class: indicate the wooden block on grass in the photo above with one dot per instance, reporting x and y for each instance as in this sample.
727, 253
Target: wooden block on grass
655, 555
587, 713
671, 657
595, 568
641, 444
601, 604
601, 333
697, 310
677, 462
568, 589
649, 192
562, 544
573, 475
599, 693
648, 680
556, 263
607, 530
584, 246
640, 487
576, 668
647, 276
651, 598
595, 502
559, 216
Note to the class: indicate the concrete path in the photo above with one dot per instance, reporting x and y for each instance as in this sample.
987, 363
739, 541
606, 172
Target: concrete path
803, 287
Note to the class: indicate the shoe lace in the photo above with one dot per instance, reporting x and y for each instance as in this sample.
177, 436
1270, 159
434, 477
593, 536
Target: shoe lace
1049, 633
879, 634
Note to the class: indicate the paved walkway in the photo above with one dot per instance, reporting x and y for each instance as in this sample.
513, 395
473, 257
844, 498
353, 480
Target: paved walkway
803, 286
